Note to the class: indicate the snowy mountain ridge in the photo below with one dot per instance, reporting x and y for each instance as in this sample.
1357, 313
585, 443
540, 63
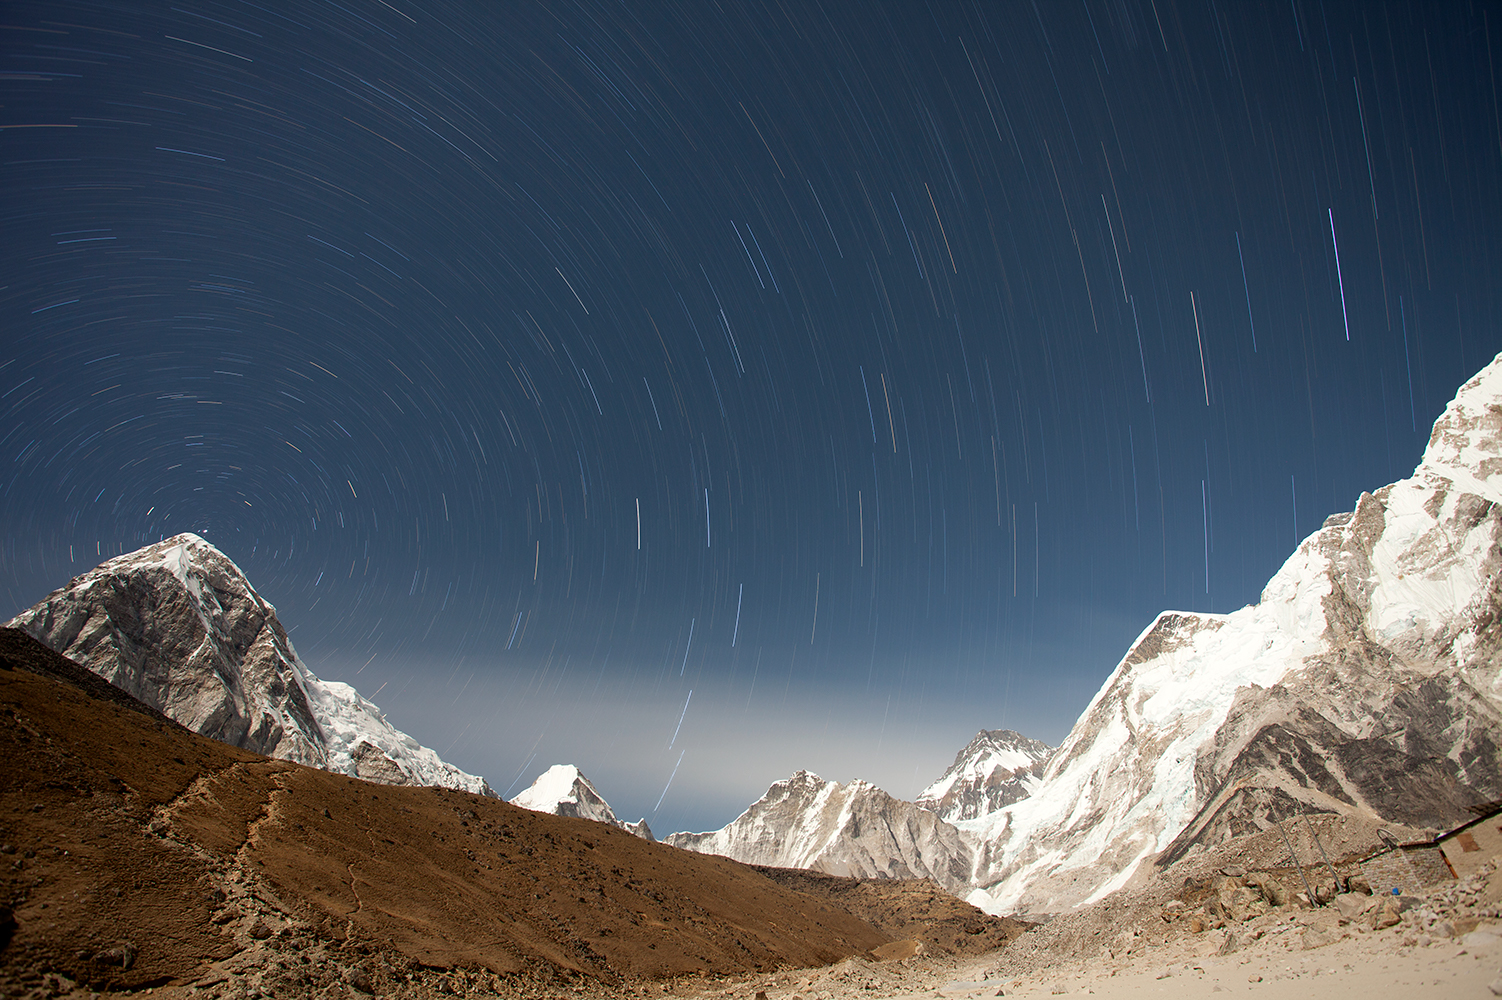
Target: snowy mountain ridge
1371, 660
855, 830
178, 625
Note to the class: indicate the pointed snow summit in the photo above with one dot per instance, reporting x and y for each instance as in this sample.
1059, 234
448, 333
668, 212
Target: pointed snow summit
855, 830
177, 625
564, 791
999, 767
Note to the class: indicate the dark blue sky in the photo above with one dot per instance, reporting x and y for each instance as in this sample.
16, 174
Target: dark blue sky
874, 372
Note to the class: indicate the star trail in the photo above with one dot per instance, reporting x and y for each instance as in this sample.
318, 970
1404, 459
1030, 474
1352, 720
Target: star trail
695, 392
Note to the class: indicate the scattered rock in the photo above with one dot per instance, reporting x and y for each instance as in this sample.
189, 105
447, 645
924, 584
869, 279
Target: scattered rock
1270, 888
359, 980
1254, 979
258, 929
1387, 916
1233, 871
122, 954
1241, 903
1352, 904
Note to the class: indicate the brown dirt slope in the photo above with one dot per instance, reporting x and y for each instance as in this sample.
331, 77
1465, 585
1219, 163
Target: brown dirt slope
907, 909
19, 649
134, 852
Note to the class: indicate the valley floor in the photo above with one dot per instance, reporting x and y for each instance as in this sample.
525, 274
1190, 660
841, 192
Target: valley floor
1286, 955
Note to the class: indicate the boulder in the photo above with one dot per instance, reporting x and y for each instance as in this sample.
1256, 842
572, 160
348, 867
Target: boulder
1270, 888
1353, 904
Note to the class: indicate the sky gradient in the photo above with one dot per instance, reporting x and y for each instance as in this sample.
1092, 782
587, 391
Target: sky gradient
696, 392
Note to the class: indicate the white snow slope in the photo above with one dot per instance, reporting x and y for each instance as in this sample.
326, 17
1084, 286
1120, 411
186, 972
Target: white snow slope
178, 625
1413, 574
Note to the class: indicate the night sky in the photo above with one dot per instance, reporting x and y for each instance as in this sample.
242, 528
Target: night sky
723, 389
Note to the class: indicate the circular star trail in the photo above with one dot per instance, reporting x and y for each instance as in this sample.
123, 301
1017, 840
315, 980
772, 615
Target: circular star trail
695, 392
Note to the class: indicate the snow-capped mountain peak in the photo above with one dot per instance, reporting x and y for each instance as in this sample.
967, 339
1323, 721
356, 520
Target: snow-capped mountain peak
563, 790
178, 625
997, 768
1367, 679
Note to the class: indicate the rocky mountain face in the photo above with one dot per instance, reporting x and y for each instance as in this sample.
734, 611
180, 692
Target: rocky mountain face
564, 791
1367, 679
178, 626
855, 830
997, 768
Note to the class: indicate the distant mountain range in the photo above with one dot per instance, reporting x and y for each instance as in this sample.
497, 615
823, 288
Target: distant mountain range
997, 768
856, 830
1366, 680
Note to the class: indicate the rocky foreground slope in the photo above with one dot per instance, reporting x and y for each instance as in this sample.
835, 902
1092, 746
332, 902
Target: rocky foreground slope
139, 854
178, 626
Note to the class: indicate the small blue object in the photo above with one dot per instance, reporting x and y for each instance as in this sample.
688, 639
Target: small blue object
1396, 891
